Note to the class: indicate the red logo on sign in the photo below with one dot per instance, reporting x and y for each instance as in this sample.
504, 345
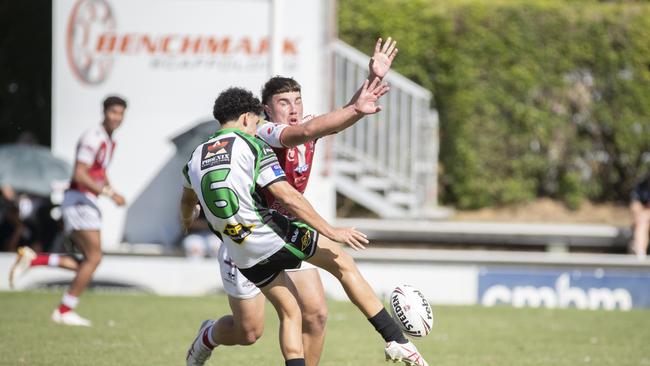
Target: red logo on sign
89, 19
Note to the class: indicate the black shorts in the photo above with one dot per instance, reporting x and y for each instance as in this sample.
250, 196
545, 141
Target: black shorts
300, 244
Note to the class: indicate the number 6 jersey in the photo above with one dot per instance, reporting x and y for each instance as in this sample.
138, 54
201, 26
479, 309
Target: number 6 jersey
227, 173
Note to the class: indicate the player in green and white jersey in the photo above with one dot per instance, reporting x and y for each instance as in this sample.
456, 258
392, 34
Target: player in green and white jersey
226, 175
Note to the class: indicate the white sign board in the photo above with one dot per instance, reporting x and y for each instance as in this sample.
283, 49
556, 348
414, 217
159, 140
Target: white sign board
170, 59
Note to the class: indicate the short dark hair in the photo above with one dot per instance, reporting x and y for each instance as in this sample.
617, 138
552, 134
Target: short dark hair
234, 102
278, 85
113, 100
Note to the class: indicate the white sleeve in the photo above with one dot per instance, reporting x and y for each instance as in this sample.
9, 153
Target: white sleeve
270, 170
87, 148
271, 132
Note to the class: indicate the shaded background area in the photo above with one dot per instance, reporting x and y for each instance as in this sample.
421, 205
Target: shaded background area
25, 69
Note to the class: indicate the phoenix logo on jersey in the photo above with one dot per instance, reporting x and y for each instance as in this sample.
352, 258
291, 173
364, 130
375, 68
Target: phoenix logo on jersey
238, 232
217, 153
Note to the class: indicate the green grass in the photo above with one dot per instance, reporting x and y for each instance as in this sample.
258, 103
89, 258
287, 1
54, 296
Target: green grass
134, 329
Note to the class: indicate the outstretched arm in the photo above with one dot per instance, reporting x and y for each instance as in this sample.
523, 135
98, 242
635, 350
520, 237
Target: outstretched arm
333, 122
302, 209
336, 121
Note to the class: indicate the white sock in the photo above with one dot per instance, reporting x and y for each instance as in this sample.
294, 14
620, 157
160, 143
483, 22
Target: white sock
69, 300
208, 332
53, 260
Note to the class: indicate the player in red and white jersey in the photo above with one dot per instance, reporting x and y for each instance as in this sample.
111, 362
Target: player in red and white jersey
296, 161
293, 139
81, 215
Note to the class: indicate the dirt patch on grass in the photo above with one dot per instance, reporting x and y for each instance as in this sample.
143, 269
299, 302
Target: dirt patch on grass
547, 210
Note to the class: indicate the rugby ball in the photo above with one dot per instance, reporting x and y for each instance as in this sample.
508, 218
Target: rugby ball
411, 310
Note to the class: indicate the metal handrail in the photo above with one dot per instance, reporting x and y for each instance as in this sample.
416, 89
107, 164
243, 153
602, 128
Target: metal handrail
398, 145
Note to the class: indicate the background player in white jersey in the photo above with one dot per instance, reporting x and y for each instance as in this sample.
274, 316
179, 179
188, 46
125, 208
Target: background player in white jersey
228, 176
81, 215
294, 144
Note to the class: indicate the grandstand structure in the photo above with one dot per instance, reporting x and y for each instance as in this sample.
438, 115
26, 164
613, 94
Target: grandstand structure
387, 163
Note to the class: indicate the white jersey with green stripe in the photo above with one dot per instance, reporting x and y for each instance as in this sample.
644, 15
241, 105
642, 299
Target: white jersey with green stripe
226, 173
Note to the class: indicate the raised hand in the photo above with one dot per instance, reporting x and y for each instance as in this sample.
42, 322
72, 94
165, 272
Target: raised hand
382, 58
351, 237
366, 102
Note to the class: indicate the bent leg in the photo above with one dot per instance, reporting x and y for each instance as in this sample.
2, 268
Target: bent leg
88, 242
68, 262
244, 326
308, 290
332, 258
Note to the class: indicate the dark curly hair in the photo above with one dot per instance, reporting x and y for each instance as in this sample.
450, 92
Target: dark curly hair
113, 100
234, 102
278, 85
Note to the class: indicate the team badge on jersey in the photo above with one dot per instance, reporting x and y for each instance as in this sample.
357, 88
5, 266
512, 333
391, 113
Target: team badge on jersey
238, 232
216, 153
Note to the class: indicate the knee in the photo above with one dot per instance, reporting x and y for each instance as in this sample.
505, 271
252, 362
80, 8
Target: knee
94, 258
250, 334
346, 264
315, 321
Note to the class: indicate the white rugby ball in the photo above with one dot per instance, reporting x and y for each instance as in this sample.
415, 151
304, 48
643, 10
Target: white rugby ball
411, 310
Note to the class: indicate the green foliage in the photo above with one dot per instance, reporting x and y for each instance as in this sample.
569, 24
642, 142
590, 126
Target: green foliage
535, 97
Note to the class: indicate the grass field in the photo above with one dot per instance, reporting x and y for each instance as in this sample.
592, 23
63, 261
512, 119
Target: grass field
131, 329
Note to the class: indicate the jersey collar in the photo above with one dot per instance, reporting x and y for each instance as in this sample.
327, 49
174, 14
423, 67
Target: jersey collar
227, 130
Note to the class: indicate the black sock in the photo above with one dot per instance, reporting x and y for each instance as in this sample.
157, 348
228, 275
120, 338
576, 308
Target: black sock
295, 362
387, 327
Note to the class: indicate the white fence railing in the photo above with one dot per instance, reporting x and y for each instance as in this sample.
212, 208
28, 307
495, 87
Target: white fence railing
393, 155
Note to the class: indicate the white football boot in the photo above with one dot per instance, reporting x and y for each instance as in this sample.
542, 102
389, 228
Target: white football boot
70, 318
22, 264
406, 353
198, 352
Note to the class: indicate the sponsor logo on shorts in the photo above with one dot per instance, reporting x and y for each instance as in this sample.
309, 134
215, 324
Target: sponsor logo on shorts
232, 270
217, 153
306, 239
294, 237
238, 232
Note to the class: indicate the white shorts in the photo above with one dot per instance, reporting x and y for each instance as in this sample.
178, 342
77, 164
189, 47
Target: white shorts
234, 283
80, 212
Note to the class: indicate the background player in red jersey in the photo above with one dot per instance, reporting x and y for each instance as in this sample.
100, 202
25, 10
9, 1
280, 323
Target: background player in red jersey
81, 215
293, 142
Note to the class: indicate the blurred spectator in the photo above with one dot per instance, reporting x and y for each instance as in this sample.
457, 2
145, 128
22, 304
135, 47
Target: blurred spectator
25, 220
11, 228
640, 207
200, 242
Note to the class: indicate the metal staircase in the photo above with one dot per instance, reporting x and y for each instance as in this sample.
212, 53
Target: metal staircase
387, 162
